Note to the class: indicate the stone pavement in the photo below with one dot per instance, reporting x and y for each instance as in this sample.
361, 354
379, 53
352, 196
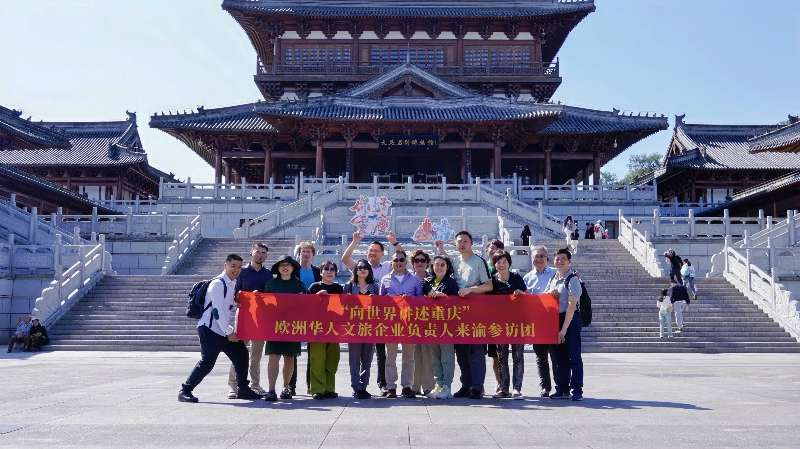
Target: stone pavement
82, 399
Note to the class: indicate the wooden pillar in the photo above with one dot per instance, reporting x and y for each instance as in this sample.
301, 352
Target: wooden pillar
267, 163
548, 169
118, 189
318, 160
596, 169
497, 165
218, 167
227, 172
586, 171
460, 52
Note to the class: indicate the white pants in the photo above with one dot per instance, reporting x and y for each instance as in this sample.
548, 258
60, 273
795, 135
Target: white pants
678, 306
256, 348
407, 373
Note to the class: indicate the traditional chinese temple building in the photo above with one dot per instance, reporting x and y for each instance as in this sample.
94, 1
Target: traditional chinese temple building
717, 163
401, 88
99, 160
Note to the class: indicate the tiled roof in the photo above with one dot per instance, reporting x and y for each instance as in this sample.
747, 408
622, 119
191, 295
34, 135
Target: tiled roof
90, 144
31, 133
55, 193
382, 82
240, 118
786, 138
408, 109
726, 147
576, 120
401, 8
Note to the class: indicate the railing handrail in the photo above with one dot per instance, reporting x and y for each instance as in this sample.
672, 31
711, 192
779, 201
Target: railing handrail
639, 246
182, 245
550, 68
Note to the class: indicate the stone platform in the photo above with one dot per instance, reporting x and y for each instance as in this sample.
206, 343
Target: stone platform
128, 399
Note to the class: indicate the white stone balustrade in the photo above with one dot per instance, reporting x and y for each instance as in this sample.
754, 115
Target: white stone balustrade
186, 240
72, 280
129, 225
28, 226
189, 191
760, 286
691, 227
638, 244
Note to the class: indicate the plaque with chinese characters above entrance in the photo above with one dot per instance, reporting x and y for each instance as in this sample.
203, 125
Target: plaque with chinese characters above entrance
403, 142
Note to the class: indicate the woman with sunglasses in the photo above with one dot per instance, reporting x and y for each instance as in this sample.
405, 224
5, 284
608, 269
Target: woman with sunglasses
441, 283
423, 355
323, 358
360, 355
506, 282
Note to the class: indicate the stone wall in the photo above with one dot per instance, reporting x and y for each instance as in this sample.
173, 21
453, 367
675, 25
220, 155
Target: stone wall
17, 298
138, 256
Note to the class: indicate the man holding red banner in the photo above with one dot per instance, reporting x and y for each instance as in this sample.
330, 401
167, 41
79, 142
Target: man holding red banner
400, 282
472, 275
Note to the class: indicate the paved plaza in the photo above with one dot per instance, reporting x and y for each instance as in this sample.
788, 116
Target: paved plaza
85, 399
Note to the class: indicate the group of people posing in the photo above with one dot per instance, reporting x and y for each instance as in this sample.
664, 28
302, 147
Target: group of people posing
425, 369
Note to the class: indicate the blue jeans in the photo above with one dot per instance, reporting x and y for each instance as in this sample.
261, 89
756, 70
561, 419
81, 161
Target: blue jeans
472, 362
360, 359
569, 368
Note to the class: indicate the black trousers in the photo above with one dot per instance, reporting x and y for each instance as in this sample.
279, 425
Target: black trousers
542, 363
463, 360
380, 352
211, 344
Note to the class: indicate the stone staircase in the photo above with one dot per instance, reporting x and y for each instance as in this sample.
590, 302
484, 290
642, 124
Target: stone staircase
147, 312
625, 316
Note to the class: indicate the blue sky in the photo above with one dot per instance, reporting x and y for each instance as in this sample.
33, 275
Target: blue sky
717, 61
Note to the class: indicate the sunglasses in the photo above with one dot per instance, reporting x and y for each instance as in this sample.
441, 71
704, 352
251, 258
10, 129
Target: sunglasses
398, 260
328, 269
420, 261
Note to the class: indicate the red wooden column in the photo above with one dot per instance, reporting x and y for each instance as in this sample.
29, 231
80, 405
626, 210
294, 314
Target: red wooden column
596, 169
217, 167
318, 160
497, 165
267, 163
548, 172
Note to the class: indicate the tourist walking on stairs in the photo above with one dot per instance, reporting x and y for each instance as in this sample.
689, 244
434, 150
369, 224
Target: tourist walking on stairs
679, 296
664, 314
688, 273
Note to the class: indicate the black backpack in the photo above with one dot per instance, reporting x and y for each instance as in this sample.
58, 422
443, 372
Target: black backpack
585, 302
196, 303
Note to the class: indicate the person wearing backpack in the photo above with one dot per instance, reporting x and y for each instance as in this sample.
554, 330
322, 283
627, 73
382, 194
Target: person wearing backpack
215, 328
568, 370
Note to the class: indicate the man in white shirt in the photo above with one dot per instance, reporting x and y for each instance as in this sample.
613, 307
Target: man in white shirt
536, 280
216, 330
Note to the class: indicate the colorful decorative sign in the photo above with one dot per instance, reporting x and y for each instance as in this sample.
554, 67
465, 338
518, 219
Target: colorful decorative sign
427, 231
371, 215
475, 319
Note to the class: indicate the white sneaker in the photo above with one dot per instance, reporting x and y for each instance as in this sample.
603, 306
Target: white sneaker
433, 394
444, 393
517, 395
232, 394
259, 390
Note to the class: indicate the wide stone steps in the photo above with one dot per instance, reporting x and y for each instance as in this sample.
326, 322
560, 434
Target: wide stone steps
147, 312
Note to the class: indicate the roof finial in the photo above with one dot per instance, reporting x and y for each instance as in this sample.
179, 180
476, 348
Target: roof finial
793, 118
131, 116
679, 120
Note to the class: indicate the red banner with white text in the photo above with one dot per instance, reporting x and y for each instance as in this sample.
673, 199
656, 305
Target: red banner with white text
475, 319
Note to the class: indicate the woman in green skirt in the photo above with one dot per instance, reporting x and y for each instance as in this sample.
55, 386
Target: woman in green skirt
286, 279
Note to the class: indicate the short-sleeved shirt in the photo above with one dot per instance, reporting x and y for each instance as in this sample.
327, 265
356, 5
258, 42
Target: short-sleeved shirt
470, 272
557, 283
392, 285
537, 282
508, 287
307, 276
250, 280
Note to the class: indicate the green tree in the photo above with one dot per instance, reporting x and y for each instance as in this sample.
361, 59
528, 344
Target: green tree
641, 164
609, 178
